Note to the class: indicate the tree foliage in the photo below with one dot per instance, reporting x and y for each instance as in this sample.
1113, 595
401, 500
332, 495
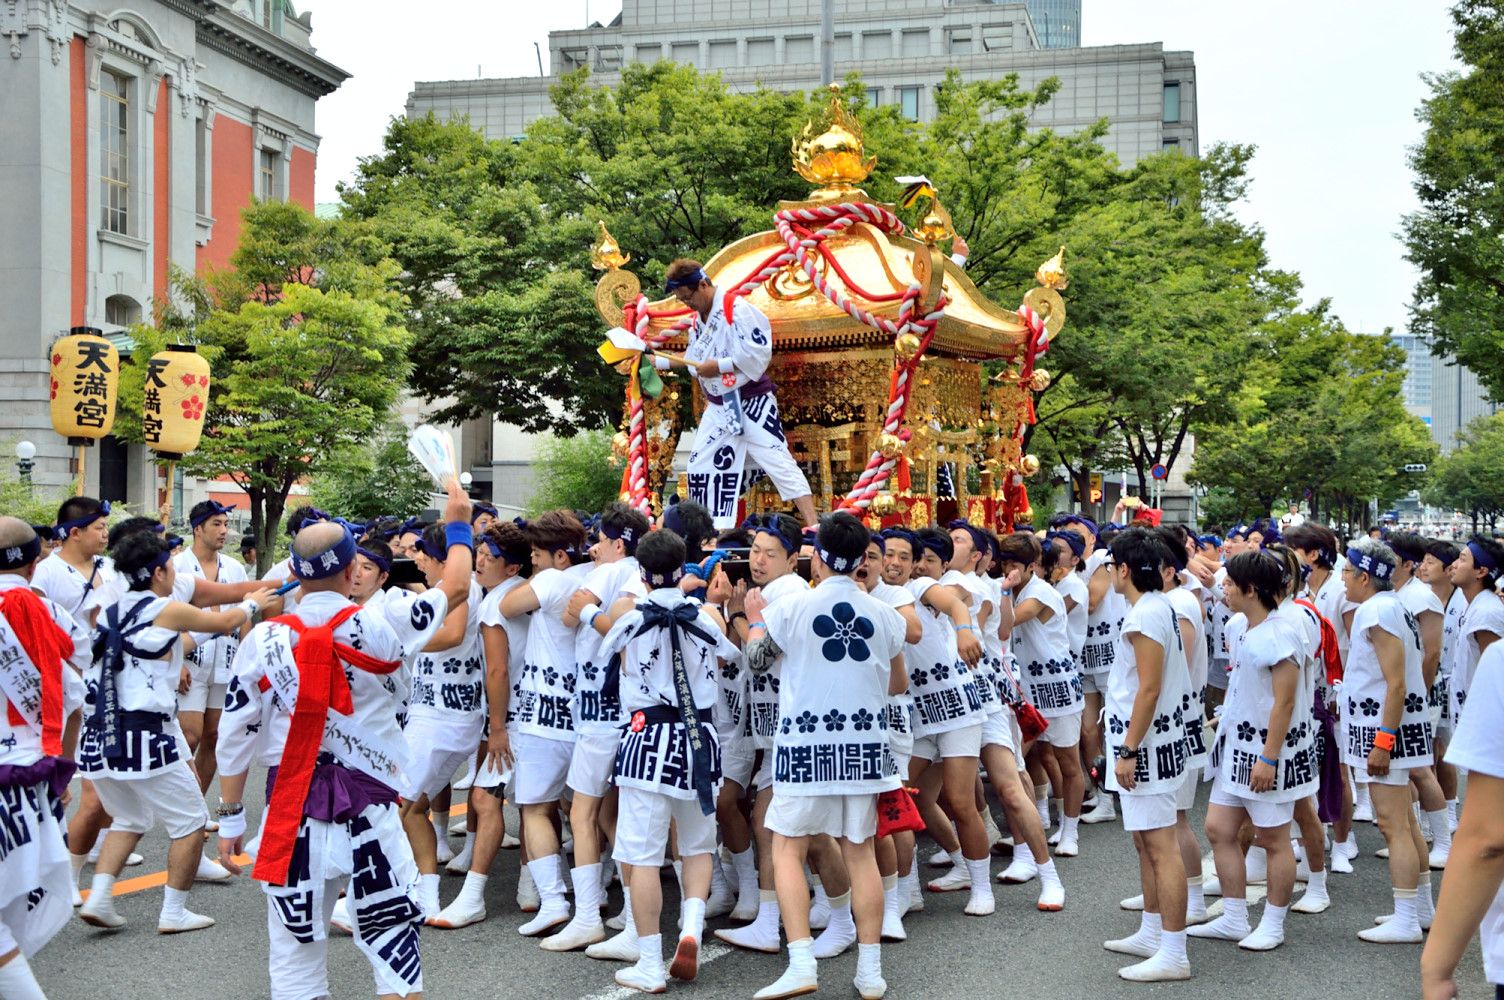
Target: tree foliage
1456, 238
1471, 479
575, 473
307, 343
380, 478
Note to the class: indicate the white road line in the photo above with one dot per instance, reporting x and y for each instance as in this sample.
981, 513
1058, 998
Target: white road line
709, 952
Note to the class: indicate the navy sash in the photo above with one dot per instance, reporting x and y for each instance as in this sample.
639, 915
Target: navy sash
111, 642
685, 617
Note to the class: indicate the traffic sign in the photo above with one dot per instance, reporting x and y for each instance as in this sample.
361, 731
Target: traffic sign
1415, 467
1160, 472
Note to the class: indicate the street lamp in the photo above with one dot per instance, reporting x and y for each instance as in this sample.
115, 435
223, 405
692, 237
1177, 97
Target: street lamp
465, 480
25, 453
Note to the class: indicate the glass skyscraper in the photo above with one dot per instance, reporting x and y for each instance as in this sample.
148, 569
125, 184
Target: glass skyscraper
1057, 22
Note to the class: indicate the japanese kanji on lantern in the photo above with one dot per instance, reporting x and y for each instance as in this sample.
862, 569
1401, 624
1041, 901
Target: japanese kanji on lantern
176, 397
85, 380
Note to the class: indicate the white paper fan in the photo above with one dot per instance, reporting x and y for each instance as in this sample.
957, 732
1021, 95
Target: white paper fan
434, 450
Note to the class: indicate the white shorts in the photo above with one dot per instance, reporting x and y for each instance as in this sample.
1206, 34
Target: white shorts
764, 776
1063, 730
1216, 675
171, 797
541, 767
642, 827
1153, 811
1185, 795
853, 817
1001, 730
1262, 814
1090, 684
1396, 776
901, 746
203, 694
738, 758
489, 778
592, 763
963, 742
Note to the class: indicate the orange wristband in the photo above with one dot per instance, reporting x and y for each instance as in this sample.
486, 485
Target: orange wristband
1383, 741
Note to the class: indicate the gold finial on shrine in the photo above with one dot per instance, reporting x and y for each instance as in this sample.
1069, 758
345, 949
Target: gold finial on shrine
834, 158
606, 255
1051, 273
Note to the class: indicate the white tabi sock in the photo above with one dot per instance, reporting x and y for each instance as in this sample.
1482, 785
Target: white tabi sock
1172, 945
17, 982
1195, 894
174, 902
440, 821
587, 893
692, 918
473, 892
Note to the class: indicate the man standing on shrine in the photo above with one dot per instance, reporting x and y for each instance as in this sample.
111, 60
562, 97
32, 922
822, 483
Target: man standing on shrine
729, 348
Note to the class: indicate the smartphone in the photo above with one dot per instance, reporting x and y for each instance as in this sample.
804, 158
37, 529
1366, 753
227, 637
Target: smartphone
404, 571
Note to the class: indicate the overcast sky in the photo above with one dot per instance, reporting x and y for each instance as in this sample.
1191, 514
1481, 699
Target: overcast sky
1326, 89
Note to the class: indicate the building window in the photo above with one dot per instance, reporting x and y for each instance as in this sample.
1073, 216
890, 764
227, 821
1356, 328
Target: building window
877, 45
959, 41
1170, 144
908, 102
608, 58
843, 50
649, 53
114, 152
1172, 102
916, 42
686, 53
874, 96
799, 50
760, 52
574, 58
267, 185
997, 37
723, 54
268, 8
201, 166
121, 310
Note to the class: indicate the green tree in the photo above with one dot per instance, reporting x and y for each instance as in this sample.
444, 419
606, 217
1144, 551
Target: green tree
575, 473
1456, 238
379, 477
308, 346
1471, 479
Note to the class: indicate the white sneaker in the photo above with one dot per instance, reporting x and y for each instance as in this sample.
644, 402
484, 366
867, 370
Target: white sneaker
1105, 812
211, 871
550, 915
1393, 932
459, 913
581, 932
1312, 902
1262, 939
1135, 903
1138, 943
1221, 929
1157, 968
955, 880
99, 911
793, 983
621, 948
188, 921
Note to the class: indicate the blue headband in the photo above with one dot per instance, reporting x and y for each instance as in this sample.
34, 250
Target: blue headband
328, 562
660, 580
769, 524
1482, 558
82, 522
1075, 542
1376, 568
381, 564
16, 556
1065, 519
903, 535
627, 534
214, 509
481, 507
838, 564
313, 516
1210, 540
415, 524
1238, 531
979, 541
141, 576
935, 545
691, 280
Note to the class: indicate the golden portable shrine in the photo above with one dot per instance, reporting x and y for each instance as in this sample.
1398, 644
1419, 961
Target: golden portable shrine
879, 341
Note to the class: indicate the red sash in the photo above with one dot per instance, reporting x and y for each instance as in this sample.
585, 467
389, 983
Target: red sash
47, 646
321, 686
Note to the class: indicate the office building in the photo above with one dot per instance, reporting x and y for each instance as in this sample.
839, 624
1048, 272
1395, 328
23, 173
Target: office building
1418, 373
135, 133
1457, 399
1057, 22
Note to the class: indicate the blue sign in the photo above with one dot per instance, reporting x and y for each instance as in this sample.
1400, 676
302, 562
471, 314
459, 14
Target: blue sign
1159, 472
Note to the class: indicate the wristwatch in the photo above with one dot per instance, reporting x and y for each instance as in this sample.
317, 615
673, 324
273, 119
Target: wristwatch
1125, 752
225, 809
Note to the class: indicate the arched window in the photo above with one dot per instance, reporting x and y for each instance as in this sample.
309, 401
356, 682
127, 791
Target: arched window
121, 310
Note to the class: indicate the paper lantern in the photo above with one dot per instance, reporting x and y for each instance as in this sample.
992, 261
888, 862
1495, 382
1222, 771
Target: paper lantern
85, 380
175, 400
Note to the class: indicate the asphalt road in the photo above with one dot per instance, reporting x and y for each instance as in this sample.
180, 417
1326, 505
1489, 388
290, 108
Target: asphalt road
1017, 952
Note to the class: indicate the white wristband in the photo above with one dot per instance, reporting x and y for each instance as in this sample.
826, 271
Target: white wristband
231, 827
588, 614
250, 609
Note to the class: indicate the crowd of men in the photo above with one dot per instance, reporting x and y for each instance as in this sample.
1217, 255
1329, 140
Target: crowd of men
773, 711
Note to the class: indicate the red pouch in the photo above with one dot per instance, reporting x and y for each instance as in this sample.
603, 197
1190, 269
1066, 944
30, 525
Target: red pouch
897, 812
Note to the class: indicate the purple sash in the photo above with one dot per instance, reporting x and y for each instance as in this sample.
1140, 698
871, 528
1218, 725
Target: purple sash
1329, 799
758, 387
336, 793
55, 771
